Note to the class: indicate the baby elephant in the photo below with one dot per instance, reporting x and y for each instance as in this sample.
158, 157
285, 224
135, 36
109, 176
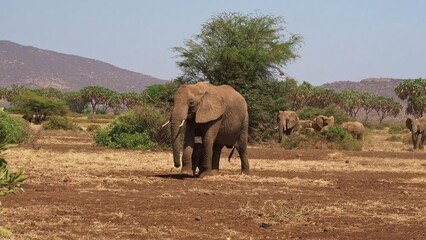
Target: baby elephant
356, 129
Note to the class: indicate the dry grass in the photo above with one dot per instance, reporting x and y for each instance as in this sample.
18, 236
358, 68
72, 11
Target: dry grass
300, 194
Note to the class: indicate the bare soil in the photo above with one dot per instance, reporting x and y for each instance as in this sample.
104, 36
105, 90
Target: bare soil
75, 190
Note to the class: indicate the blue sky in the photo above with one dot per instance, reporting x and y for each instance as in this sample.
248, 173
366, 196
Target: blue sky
343, 40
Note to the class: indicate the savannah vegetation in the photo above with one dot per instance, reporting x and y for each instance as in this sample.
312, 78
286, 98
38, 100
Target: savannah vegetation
221, 54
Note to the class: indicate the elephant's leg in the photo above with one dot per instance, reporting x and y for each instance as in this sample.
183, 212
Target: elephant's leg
217, 149
418, 141
241, 147
414, 140
197, 157
212, 129
245, 166
188, 148
422, 141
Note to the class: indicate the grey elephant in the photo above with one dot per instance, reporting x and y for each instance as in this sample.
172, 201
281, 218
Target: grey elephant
356, 129
288, 123
218, 114
321, 123
418, 131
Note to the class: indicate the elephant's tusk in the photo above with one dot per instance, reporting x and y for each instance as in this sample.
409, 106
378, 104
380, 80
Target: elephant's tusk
276, 128
183, 121
165, 124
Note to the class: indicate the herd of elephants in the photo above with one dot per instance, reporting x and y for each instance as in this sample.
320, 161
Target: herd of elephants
218, 116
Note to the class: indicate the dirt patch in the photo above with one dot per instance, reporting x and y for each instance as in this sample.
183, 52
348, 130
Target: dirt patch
77, 191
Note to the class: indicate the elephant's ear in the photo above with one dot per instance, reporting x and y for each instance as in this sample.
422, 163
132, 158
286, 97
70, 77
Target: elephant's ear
293, 120
320, 121
409, 123
330, 120
211, 108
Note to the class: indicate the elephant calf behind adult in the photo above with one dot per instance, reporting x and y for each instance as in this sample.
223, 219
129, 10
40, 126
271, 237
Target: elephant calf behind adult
218, 114
356, 129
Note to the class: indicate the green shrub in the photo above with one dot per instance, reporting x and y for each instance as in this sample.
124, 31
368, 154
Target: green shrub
135, 129
12, 130
349, 143
60, 123
10, 183
396, 129
335, 134
310, 113
394, 138
335, 138
92, 128
295, 141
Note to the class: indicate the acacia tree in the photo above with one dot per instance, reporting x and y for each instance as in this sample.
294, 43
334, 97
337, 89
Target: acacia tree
368, 102
350, 101
386, 106
248, 52
96, 96
75, 102
132, 99
238, 50
413, 91
3, 93
49, 92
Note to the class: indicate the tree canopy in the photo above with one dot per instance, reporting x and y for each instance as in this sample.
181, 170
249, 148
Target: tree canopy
238, 50
414, 91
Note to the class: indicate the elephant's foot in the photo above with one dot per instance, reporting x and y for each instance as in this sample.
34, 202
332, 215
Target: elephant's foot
245, 172
186, 171
209, 173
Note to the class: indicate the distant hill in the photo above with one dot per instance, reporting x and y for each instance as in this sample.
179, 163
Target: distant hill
37, 68
380, 86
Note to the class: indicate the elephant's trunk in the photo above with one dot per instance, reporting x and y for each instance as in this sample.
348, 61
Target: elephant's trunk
281, 129
175, 130
177, 120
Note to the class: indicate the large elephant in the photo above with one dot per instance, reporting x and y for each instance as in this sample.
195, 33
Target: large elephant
356, 129
322, 123
218, 114
288, 123
418, 131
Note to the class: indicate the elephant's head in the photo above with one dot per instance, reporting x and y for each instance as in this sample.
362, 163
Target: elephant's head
287, 120
412, 124
321, 121
197, 103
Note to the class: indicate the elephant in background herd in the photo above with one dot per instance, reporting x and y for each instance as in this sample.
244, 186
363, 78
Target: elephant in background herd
288, 123
418, 131
322, 123
356, 129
